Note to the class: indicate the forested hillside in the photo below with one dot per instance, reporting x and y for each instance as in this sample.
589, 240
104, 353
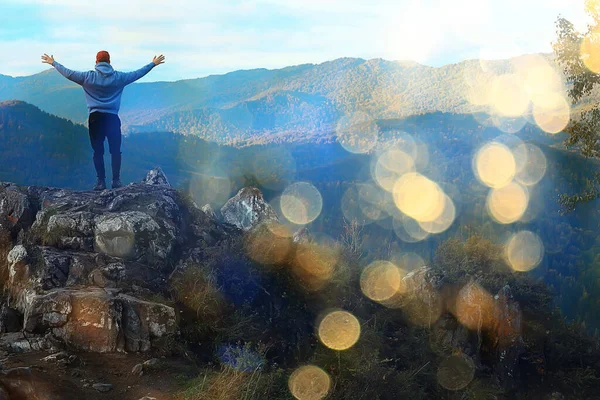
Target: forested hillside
45, 150
300, 101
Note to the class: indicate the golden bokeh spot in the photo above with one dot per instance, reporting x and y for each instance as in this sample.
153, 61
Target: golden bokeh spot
309, 383
339, 330
508, 95
555, 116
475, 307
524, 251
456, 372
443, 221
508, 204
590, 51
268, 244
301, 203
390, 166
418, 197
381, 280
494, 165
357, 133
408, 230
315, 264
531, 164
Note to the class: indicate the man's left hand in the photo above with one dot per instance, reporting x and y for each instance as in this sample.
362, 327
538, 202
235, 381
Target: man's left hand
47, 59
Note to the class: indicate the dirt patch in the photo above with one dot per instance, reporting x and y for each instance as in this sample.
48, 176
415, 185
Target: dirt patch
74, 381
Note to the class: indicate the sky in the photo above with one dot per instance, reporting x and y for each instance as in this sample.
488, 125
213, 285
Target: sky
201, 37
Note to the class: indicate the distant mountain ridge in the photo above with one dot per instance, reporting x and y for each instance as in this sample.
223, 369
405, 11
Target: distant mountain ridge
306, 99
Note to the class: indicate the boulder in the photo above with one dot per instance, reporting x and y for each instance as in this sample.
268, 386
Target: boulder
247, 209
156, 176
16, 209
144, 322
86, 262
99, 320
133, 235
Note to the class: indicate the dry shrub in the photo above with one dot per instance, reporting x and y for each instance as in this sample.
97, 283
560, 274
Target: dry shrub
195, 288
231, 384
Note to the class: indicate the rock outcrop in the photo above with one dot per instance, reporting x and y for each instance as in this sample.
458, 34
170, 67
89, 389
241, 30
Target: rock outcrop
247, 209
88, 269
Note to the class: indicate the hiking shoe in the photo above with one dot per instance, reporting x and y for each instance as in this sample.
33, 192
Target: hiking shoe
100, 184
116, 184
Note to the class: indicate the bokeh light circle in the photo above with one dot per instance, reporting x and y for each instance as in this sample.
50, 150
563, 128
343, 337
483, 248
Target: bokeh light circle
508, 95
443, 221
390, 166
381, 280
301, 203
531, 164
269, 243
508, 204
524, 251
494, 165
456, 372
357, 133
554, 117
590, 52
418, 197
339, 330
309, 383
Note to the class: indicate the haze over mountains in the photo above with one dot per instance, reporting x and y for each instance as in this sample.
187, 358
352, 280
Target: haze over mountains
298, 102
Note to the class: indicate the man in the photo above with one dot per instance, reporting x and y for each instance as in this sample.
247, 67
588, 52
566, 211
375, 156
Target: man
103, 88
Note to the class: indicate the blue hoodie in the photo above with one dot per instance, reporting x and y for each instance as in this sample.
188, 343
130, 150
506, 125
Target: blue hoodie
104, 86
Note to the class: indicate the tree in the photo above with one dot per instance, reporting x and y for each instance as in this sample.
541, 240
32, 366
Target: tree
579, 55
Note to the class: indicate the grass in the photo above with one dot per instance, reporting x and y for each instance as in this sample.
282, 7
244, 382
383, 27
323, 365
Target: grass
231, 384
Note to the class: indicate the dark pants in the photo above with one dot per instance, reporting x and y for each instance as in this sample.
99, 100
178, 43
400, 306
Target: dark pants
101, 126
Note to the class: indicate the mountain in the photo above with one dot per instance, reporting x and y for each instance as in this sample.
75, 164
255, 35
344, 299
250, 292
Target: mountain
304, 100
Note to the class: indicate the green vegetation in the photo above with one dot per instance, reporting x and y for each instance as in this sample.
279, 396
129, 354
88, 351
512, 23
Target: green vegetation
274, 332
576, 53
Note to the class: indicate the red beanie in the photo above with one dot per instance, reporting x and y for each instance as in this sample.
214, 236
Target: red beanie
102, 56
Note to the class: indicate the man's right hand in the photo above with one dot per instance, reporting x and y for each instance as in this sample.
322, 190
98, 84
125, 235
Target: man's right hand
158, 60
47, 59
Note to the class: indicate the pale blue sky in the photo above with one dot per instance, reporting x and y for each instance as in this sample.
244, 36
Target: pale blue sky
201, 37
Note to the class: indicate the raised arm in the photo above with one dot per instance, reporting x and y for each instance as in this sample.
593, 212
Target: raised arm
130, 77
75, 76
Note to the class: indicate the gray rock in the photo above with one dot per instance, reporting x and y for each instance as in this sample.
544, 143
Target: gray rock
16, 210
138, 370
209, 211
151, 362
99, 320
102, 387
18, 342
156, 176
302, 236
134, 235
247, 209
85, 250
17, 254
